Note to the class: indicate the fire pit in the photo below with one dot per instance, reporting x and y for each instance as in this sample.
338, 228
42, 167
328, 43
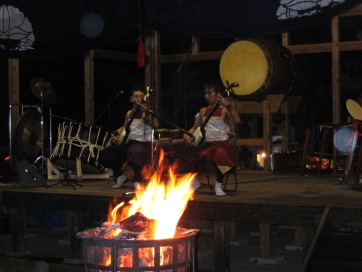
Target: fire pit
144, 235
166, 255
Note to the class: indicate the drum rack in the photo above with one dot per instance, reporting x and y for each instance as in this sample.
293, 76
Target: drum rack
53, 173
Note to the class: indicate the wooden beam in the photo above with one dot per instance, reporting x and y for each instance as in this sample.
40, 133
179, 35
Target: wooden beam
89, 87
324, 47
202, 56
113, 55
356, 11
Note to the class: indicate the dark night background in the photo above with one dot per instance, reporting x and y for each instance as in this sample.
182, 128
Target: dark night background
181, 94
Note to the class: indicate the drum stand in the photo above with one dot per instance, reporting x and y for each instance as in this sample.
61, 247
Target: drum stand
67, 180
64, 172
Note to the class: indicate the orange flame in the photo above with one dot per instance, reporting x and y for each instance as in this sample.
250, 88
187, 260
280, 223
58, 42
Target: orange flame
163, 199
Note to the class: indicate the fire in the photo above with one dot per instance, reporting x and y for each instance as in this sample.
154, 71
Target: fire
163, 200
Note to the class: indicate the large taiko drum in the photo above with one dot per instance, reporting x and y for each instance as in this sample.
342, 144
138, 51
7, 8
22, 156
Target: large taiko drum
80, 141
259, 66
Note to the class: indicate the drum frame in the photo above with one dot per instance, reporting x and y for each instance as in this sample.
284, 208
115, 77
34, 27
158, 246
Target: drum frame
80, 141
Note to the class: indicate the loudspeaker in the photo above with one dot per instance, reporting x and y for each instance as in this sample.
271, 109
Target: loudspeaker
285, 161
30, 176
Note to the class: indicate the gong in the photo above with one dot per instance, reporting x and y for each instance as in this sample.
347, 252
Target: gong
258, 66
28, 136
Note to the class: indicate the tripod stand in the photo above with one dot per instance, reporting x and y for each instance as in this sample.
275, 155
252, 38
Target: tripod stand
64, 172
67, 180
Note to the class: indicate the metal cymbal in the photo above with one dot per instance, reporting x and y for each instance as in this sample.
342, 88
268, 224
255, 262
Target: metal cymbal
27, 137
43, 90
354, 108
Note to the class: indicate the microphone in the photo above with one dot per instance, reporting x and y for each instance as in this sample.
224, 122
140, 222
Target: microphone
115, 133
119, 92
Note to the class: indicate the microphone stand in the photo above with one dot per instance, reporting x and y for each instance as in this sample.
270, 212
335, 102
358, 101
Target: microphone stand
107, 107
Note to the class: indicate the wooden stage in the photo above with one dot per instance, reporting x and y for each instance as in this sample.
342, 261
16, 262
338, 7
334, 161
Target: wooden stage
266, 199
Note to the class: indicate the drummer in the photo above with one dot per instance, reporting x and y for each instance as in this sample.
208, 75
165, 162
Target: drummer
132, 141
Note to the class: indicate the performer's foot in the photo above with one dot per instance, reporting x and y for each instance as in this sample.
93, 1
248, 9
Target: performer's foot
195, 184
119, 182
136, 185
218, 190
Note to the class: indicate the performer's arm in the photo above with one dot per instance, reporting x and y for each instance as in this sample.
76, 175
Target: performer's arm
116, 136
198, 122
231, 112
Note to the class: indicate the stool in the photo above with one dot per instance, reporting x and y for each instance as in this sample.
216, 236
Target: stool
225, 183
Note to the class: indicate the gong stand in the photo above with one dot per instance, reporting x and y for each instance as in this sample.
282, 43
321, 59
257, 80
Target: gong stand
46, 94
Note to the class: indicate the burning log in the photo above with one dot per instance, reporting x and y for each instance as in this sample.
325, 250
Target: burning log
133, 227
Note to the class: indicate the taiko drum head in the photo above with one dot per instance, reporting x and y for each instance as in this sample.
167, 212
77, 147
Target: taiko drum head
244, 62
258, 66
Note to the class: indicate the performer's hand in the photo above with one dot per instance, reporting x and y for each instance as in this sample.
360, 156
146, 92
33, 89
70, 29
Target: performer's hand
188, 140
115, 138
222, 101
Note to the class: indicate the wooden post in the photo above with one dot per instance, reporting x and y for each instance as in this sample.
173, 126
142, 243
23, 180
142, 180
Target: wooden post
75, 224
157, 72
285, 39
195, 45
303, 235
222, 245
89, 87
265, 239
336, 92
18, 226
285, 126
267, 133
13, 70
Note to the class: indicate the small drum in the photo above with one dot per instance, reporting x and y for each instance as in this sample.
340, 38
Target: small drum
80, 141
259, 66
165, 136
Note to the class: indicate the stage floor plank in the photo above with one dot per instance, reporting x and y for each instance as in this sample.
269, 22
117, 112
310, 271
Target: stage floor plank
283, 189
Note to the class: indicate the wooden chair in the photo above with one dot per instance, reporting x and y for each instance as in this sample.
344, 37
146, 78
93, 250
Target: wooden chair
234, 185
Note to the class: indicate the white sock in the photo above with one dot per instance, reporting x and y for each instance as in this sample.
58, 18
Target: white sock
119, 182
218, 190
195, 184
